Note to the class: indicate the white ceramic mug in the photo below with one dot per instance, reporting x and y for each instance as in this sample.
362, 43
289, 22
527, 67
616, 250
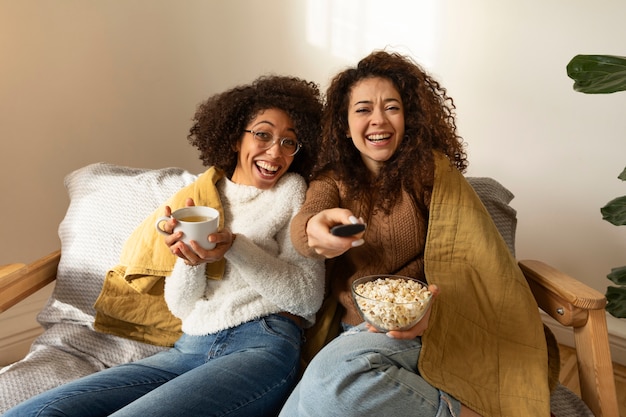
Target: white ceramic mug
196, 223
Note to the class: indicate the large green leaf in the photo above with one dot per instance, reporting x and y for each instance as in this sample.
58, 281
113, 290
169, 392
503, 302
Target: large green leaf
622, 176
598, 74
618, 275
614, 211
616, 305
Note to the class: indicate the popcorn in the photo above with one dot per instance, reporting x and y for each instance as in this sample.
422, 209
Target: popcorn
404, 302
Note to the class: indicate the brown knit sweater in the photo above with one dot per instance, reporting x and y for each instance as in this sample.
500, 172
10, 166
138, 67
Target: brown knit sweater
394, 243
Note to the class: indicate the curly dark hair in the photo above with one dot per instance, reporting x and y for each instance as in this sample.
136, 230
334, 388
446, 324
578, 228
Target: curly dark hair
220, 120
429, 125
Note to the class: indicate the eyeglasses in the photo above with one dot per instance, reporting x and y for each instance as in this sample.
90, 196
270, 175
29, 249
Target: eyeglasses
266, 140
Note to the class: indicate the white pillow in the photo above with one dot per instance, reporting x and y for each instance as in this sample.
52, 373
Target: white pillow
107, 202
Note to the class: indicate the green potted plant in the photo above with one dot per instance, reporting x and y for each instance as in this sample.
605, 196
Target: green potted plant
604, 74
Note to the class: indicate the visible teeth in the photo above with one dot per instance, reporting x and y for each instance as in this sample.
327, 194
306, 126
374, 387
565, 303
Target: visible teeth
380, 136
266, 166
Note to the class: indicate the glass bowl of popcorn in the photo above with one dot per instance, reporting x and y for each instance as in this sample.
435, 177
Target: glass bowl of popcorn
391, 302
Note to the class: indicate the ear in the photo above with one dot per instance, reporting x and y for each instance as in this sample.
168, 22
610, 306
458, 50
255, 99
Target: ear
237, 146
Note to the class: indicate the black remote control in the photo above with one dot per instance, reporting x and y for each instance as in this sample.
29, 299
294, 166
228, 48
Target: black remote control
344, 230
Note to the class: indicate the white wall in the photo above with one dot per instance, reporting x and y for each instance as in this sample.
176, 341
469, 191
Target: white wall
118, 81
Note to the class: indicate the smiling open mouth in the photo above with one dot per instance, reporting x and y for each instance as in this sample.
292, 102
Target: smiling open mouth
378, 137
267, 169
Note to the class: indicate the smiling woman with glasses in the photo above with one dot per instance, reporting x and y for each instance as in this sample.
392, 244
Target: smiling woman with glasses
243, 306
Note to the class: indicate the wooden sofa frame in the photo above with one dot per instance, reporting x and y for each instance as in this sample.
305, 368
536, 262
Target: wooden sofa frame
570, 302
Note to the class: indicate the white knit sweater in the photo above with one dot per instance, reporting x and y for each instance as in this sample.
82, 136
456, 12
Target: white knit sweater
263, 275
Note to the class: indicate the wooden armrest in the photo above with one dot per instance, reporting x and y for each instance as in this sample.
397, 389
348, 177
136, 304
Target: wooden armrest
564, 298
579, 306
18, 281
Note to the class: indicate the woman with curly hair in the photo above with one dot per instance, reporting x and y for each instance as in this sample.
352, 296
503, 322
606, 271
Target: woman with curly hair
244, 304
391, 158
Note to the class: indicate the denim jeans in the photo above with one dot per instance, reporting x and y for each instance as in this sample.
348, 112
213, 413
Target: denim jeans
367, 374
245, 371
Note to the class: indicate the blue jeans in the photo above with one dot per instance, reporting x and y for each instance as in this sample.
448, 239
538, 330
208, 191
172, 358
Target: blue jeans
245, 371
367, 374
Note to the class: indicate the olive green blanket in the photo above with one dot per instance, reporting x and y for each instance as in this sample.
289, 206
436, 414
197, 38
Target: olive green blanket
486, 345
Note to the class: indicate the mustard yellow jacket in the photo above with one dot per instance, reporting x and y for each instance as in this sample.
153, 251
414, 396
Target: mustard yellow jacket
131, 302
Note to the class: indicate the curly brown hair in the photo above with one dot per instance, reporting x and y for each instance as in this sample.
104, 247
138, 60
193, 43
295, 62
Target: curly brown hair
430, 124
220, 120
